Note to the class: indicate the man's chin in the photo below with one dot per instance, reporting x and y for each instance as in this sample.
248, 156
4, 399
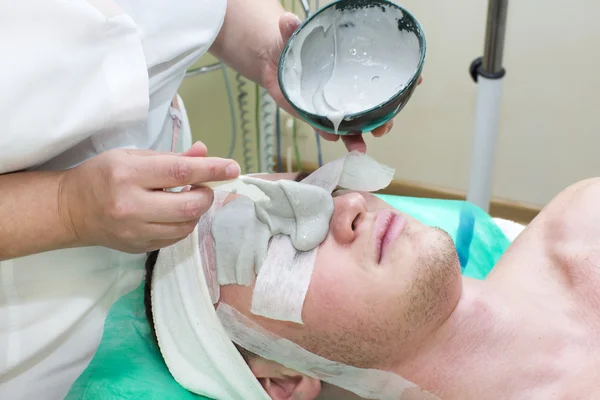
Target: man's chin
438, 286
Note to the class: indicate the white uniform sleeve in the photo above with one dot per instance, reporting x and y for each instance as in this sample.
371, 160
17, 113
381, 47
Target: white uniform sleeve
70, 68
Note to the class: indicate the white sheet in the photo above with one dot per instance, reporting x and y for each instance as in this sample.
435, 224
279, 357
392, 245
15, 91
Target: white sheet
510, 228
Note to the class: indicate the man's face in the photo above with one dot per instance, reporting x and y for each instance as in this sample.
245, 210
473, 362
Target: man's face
380, 281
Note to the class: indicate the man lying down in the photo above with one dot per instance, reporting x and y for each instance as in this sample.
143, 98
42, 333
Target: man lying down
386, 313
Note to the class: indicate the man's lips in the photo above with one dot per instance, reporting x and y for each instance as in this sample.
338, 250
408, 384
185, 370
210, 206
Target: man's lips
388, 225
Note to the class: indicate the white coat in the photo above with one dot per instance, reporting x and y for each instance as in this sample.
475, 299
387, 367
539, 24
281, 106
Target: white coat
81, 77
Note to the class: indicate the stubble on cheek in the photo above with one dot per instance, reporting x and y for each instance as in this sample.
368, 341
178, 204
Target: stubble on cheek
343, 326
430, 290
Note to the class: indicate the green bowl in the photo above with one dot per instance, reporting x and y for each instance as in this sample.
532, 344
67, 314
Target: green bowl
353, 15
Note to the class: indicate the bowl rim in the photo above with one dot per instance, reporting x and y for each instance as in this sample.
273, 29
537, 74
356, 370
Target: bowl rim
360, 114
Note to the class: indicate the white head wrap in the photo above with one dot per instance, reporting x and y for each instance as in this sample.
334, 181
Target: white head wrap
195, 346
199, 351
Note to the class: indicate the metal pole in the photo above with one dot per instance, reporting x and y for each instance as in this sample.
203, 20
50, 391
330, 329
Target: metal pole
494, 36
306, 7
488, 72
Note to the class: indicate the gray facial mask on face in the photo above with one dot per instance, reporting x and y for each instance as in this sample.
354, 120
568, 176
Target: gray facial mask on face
242, 229
295, 218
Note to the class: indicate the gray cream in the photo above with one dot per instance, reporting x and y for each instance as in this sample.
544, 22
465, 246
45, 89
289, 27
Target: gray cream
242, 229
345, 62
298, 211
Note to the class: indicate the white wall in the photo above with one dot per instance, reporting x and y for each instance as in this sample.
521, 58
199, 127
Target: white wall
549, 129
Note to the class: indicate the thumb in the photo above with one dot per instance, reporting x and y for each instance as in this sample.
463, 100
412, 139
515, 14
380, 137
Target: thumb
288, 23
355, 143
198, 149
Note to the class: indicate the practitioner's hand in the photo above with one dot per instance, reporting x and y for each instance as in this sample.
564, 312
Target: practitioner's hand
288, 23
116, 199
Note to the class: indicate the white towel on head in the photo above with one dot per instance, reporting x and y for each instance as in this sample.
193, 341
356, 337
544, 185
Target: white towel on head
193, 343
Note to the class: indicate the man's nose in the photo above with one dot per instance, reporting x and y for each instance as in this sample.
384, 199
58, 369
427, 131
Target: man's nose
348, 211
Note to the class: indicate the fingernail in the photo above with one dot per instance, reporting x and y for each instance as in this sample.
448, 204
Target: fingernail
295, 17
293, 24
233, 170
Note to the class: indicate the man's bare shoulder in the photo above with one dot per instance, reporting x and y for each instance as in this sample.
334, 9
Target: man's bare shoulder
563, 241
555, 262
569, 228
573, 215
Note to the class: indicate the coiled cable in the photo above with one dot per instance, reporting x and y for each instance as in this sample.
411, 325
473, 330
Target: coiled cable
231, 112
257, 125
267, 116
242, 99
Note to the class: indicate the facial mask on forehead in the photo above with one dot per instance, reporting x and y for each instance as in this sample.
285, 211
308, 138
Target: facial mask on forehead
242, 228
294, 209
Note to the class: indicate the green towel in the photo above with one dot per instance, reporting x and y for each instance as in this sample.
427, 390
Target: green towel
128, 364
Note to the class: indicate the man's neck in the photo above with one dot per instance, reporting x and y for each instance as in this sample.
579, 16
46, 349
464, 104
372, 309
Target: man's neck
490, 342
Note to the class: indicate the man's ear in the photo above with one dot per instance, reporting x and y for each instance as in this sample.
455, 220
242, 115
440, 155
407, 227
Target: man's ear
282, 383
